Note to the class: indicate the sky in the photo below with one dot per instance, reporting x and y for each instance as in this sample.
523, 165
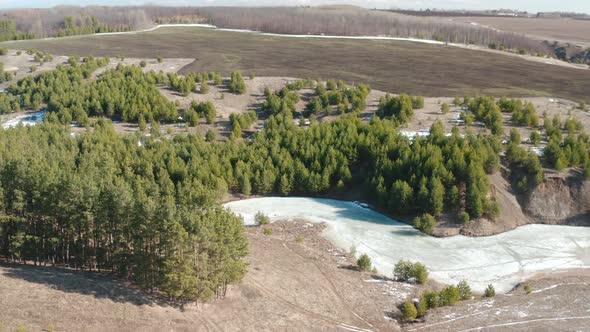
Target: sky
528, 5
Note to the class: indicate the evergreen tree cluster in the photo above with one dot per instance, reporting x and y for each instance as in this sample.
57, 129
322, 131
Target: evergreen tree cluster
241, 122
86, 25
430, 174
103, 202
8, 31
399, 109
486, 110
522, 114
4, 76
125, 93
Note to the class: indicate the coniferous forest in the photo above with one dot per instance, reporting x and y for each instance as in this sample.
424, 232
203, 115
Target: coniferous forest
148, 208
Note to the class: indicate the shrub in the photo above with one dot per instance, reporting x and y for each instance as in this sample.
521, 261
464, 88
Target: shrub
422, 306
159, 59
464, 290
445, 108
33, 69
267, 231
418, 103
204, 87
432, 299
426, 223
3, 51
535, 138
528, 289
457, 101
19, 52
449, 295
465, 218
261, 219
420, 273
364, 263
406, 271
237, 84
409, 311
210, 136
490, 291
251, 76
299, 238
142, 64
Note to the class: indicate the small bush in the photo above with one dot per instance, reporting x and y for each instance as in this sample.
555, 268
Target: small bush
19, 52
261, 219
267, 231
422, 306
210, 136
33, 69
409, 311
364, 263
3, 51
445, 108
528, 289
465, 218
159, 59
490, 291
426, 223
142, 64
204, 87
406, 271
464, 290
299, 238
449, 295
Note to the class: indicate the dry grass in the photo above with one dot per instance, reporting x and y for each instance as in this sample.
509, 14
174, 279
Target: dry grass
290, 286
388, 66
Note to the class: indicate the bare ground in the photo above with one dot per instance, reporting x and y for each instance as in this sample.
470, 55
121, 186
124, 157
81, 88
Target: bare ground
557, 302
291, 285
295, 285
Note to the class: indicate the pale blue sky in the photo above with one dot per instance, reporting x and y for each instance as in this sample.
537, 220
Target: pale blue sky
529, 5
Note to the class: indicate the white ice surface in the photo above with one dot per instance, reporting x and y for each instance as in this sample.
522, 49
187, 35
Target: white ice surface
502, 260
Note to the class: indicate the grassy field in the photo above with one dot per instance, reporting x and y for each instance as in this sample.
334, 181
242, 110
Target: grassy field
564, 30
389, 66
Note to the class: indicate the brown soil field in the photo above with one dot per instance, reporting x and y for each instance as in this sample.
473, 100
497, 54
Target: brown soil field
414, 68
564, 30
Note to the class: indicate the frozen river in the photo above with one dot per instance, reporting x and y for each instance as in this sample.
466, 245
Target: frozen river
502, 260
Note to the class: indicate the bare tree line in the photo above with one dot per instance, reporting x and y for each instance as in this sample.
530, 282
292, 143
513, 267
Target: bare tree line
351, 21
335, 20
46, 22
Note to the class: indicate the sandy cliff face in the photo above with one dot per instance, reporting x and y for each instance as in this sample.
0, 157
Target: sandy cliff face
559, 200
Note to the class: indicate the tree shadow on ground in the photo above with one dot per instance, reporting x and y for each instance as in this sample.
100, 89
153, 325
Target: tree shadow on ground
86, 283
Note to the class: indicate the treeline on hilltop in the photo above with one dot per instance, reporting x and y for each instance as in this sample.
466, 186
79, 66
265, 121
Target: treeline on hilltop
8, 31
70, 26
361, 22
335, 21
86, 25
